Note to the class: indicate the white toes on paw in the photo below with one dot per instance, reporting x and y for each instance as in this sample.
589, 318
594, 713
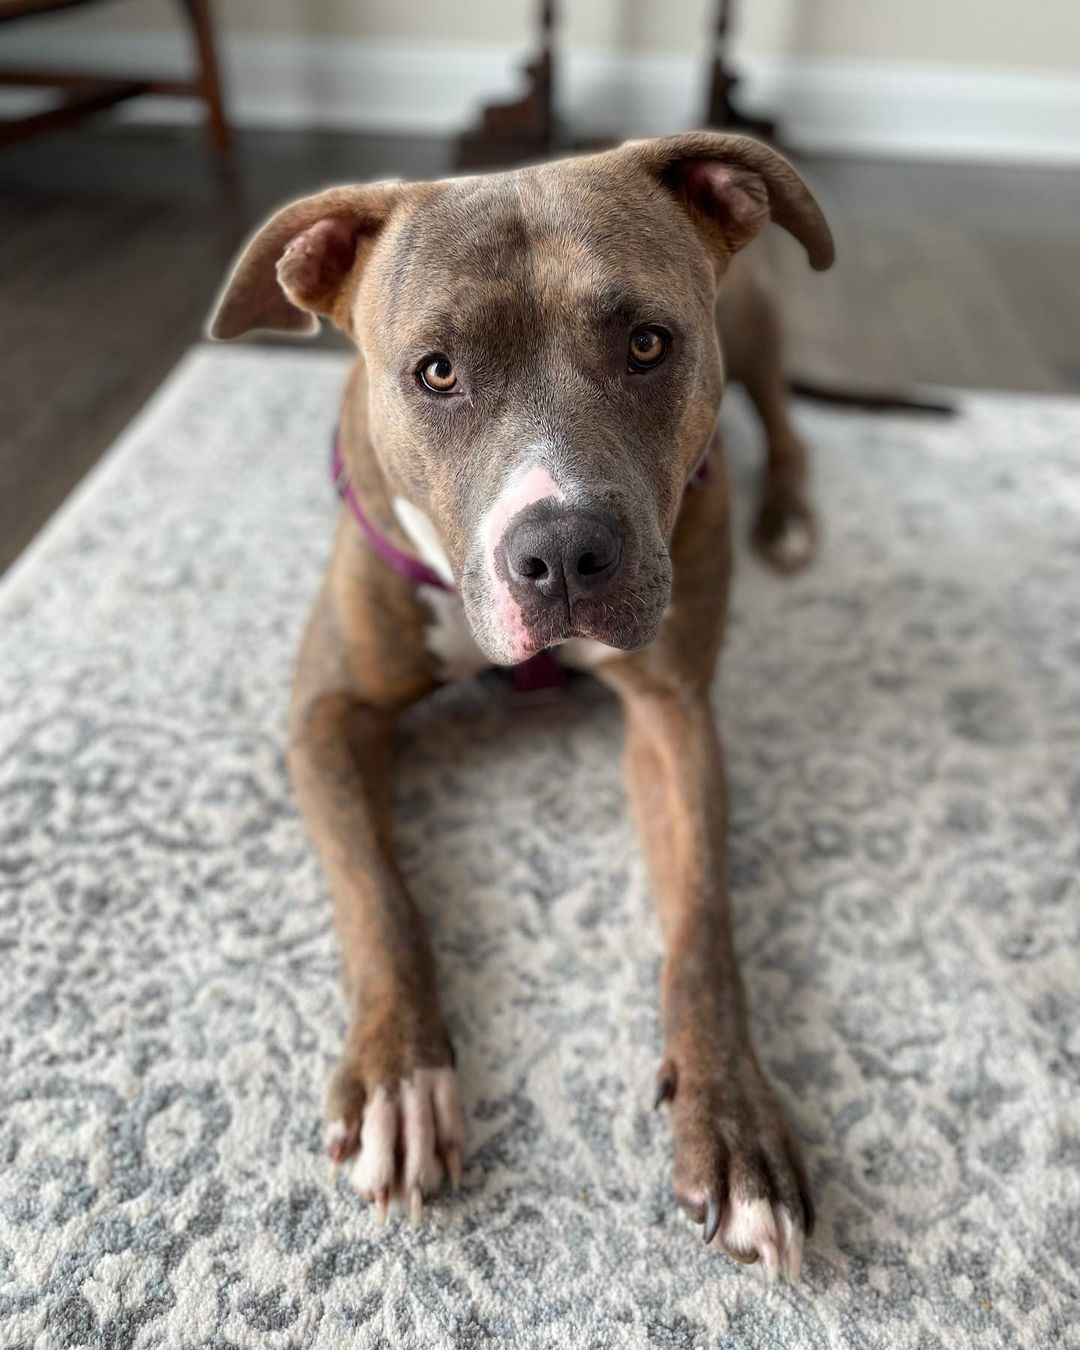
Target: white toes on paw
748, 1228
449, 1131
794, 545
337, 1132
409, 1140
339, 1140
374, 1167
755, 1228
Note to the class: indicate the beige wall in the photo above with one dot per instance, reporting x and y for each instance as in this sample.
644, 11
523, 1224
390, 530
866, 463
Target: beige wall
981, 34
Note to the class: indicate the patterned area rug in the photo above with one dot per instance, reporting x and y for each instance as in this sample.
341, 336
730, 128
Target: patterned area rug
903, 736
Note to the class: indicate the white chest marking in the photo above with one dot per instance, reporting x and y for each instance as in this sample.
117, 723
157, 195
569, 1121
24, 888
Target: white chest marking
424, 538
585, 653
449, 638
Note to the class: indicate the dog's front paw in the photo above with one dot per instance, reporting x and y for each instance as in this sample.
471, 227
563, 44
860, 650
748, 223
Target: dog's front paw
737, 1169
785, 531
396, 1119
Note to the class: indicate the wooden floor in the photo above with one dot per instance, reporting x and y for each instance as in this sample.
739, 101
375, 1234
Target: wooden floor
115, 240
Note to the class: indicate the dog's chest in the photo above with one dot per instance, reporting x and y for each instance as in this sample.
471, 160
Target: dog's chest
448, 636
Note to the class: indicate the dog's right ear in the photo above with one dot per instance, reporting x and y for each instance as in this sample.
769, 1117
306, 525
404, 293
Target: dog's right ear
733, 186
297, 265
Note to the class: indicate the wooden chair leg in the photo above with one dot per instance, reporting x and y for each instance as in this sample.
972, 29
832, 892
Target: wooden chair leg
209, 78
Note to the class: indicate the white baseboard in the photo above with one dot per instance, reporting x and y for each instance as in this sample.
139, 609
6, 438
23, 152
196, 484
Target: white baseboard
928, 113
922, 112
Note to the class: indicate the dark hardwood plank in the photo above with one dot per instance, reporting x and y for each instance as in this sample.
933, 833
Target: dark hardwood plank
114, 244
1042, 286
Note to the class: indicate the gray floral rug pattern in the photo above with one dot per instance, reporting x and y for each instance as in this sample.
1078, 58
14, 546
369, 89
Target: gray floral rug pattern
903, 737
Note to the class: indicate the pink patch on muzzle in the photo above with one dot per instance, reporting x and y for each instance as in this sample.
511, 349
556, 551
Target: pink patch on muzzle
534, 485
509, 623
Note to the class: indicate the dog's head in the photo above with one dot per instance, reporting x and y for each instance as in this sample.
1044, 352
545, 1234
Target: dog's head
541, 360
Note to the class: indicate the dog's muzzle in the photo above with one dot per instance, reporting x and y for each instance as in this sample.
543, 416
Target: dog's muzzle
563, 569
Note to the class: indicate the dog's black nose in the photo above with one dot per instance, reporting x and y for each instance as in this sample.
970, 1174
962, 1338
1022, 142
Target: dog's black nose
561, 553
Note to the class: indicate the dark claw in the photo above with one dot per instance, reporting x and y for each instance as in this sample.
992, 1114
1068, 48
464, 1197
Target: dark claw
712, 1219
665, 1090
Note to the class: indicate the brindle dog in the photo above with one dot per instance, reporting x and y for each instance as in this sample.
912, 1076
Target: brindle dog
538, 379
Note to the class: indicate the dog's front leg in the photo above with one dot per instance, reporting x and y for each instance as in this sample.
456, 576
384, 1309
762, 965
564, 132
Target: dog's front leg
737, 1169
393, 1097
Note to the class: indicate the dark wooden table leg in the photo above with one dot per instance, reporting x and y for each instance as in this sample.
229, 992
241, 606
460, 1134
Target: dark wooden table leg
722, 111
510, 133
209, 79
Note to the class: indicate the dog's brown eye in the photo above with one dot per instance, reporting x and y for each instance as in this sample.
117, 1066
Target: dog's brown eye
648, 347
439, 375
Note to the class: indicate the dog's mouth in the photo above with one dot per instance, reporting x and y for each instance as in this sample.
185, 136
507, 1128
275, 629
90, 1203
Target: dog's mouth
627, 620
625, 631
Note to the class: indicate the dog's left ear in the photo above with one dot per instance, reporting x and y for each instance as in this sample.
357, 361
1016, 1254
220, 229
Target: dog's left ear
733, 186
295, 267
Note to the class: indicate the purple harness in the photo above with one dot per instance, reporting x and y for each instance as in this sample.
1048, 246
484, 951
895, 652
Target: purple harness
541, 671
412, 569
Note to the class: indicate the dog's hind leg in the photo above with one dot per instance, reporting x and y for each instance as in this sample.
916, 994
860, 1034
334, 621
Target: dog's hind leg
785, 526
